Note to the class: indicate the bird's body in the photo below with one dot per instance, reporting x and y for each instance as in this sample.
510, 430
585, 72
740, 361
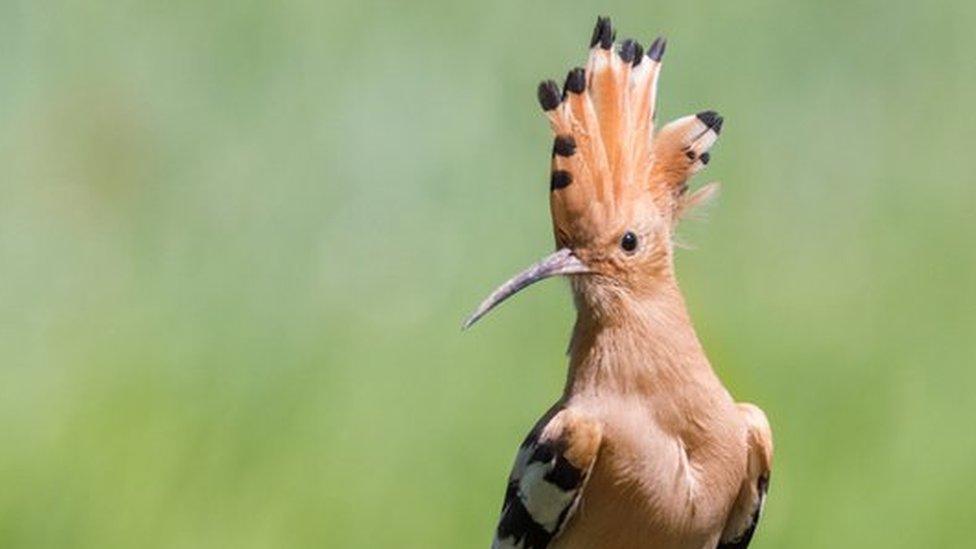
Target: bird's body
674, 455
675, 447
645, 448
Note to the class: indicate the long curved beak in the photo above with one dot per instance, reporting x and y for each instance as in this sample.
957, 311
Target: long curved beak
561, 262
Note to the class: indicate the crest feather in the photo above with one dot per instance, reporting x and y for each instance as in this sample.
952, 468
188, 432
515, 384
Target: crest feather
606, 152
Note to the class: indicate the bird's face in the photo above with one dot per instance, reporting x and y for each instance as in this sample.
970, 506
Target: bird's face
627, 249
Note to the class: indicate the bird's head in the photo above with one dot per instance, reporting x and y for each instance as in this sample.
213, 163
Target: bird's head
618, 187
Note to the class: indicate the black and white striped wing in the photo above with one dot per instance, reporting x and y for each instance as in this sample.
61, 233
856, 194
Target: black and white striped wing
544, 488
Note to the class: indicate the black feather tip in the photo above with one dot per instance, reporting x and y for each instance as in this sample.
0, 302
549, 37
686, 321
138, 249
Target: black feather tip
575, 81
656, 51
603, 33
712, 120
564, 145
549, 96
560, 179
638, 53
627, 51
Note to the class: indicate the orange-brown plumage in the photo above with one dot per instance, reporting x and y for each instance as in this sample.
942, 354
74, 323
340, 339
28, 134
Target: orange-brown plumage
645, 448
618, 159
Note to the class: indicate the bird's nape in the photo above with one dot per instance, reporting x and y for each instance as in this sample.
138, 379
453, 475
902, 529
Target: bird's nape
560, 262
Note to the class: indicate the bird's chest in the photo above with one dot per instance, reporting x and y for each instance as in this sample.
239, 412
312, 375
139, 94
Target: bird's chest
659, 483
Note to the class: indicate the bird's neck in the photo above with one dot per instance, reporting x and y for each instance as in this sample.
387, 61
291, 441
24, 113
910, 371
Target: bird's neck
630, 344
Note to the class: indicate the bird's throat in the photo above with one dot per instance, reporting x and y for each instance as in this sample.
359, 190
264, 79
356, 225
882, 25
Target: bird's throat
623, 343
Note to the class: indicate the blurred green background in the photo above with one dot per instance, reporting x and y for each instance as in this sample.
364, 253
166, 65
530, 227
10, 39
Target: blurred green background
237, 240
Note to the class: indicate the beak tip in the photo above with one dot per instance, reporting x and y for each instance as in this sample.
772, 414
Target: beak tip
561, 262
468, 322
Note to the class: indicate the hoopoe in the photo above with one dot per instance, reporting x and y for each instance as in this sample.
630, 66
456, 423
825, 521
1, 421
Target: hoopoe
646, 447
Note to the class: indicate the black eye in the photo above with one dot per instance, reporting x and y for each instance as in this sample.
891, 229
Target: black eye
629, 242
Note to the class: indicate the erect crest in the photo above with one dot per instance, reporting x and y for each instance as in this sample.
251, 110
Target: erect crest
607, 155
